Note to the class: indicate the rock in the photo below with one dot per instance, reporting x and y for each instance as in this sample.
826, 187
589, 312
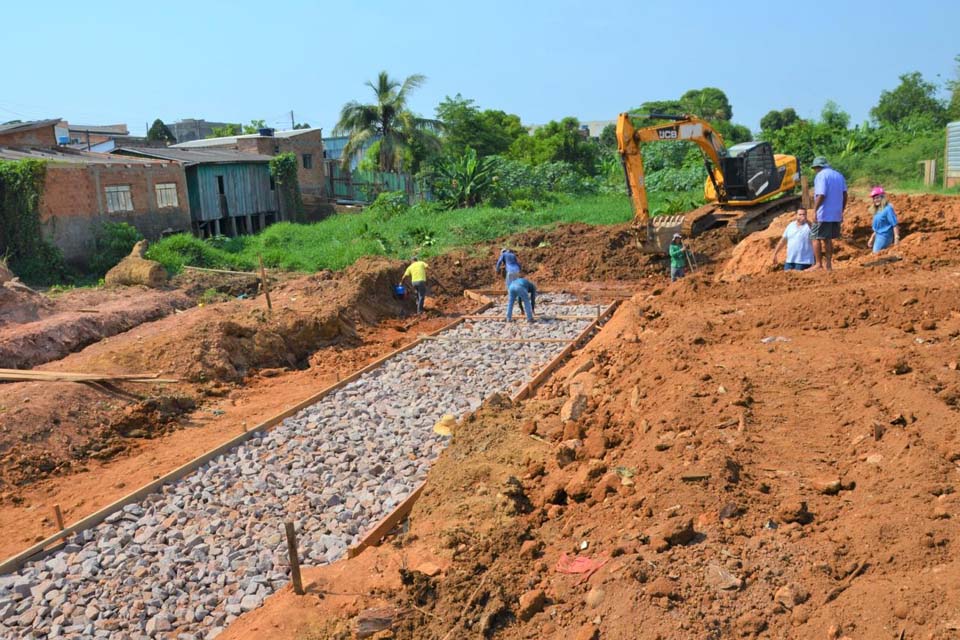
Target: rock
675, 531
429, 569
572, 430
371, 622
901, 610
530, 549
828, 486
595, 444
531, 603
661, 588
874, 459
580, 485
588, 631
594, 597
751, 623
790, 595
250, 602
722, 579
574, 407
794, 511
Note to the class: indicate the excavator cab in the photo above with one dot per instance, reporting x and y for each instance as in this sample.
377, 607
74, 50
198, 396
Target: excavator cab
750, 172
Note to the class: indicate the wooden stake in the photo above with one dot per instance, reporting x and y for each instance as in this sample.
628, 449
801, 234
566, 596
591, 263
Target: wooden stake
58, 516
805, 190
263, 282
294, 558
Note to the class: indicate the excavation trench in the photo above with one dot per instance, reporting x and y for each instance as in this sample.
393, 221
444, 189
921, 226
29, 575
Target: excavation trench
188, 559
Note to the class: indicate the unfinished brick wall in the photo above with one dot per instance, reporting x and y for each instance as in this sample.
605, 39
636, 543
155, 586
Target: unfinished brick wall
74, 203
40, 137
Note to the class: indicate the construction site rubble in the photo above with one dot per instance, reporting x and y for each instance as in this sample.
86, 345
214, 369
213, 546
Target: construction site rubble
209, 547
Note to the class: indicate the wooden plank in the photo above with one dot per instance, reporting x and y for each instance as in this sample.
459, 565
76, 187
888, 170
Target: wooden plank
235, 273
16, 561
510, 340
386, 525
503, 318
528, 388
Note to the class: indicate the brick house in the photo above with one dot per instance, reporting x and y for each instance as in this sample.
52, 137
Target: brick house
83, 189
36, 133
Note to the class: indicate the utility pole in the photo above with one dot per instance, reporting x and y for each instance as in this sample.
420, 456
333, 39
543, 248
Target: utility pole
292, 124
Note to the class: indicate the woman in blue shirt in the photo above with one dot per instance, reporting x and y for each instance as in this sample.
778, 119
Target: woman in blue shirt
886, 230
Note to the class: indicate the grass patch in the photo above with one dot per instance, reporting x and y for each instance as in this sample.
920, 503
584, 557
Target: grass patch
339, 241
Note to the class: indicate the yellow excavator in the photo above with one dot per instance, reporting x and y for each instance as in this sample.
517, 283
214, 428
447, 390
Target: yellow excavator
747, 184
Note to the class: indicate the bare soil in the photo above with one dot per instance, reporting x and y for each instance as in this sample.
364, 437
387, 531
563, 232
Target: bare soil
773, 456
761, 455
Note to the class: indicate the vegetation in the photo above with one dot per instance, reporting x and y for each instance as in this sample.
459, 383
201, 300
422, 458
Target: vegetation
22, 244
404, 137
113, 240
160, 132
283, 168
390, 227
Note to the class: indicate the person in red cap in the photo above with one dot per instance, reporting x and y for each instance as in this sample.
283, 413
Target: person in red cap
886, 229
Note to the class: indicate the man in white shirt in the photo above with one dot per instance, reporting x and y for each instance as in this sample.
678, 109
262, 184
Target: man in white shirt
799, 240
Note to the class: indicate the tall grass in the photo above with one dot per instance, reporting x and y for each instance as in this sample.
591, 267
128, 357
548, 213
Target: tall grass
340, 240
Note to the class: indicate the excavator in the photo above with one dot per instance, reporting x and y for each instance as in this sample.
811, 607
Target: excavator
747, 184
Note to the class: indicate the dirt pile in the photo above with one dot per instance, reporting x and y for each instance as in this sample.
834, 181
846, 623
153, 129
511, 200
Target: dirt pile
48, 427
767, 458
36, 340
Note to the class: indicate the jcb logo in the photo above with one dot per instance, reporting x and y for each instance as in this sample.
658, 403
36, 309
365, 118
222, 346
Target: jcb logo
667, 134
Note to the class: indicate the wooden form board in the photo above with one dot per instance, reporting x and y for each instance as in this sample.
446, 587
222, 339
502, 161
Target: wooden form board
15, 562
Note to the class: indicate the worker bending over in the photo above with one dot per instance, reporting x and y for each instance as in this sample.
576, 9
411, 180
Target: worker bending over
526, 292
417, 272
509, 262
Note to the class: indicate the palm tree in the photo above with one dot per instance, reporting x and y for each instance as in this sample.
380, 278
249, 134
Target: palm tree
389, 121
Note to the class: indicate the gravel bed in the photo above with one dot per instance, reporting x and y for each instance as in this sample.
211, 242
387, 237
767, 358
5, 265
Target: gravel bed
188, 560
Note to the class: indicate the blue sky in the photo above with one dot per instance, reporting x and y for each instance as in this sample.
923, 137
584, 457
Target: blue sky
103, 62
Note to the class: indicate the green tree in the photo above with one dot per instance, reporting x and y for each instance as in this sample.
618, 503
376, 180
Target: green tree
301, 125
608, 137
833, 116
668, 107
914, 98
558, 142
708, 103
160, 132
488, 132
953, 86
226, 131
776, 120
254, 126
389, 120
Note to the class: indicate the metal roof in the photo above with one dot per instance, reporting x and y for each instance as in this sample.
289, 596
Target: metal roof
67, 156
195, 156
227, 140
107, 129
25, 126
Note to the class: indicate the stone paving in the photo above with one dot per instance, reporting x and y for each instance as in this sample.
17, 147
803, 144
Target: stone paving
188, 560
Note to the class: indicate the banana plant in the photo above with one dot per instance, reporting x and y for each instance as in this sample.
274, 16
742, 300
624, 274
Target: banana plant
467, 180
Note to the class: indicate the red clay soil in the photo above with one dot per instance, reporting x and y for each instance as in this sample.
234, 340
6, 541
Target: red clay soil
51, 428
772, 457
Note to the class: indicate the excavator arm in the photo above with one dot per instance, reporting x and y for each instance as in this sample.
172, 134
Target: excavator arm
688, 128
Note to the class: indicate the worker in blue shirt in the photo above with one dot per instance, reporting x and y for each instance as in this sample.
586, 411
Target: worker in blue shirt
526, 292
509, 262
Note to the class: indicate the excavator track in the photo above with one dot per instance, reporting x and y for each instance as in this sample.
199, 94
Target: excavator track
738, 223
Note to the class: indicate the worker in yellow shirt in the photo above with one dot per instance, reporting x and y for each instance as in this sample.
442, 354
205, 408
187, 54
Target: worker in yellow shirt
417, 272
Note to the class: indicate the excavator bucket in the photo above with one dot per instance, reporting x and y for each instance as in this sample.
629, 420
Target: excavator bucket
658, 234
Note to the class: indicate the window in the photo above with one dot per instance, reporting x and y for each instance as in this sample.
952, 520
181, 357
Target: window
167, 195
118, 198
308, 161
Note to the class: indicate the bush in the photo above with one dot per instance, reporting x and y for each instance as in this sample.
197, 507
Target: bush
43, 267
389, 204
113, 242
